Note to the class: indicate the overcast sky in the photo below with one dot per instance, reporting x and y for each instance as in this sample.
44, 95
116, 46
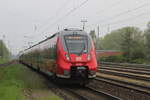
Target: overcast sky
23, 21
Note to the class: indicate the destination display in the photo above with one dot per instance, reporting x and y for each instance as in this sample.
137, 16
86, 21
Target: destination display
75, 37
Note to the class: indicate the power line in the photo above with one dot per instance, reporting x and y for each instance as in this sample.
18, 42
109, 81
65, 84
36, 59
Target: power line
108, 8
60, 9
111, 6
139, 24
123, 13
130, 18
67, 14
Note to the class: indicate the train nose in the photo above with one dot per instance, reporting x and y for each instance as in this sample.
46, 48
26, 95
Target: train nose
78, 58
79, 72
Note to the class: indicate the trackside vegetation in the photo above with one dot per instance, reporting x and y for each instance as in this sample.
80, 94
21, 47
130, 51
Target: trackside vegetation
4, 53
18, 82
131, 41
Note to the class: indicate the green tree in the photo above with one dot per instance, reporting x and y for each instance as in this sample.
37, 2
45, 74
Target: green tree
147, 41
111, 41
4, 52
132, 43
130, 40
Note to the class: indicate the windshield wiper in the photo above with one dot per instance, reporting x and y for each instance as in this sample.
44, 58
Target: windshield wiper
82, 50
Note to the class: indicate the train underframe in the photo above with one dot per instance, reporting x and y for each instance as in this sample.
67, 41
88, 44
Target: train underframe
76, 75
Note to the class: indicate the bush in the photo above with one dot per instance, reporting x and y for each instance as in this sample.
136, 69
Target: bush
138, 61
118, 58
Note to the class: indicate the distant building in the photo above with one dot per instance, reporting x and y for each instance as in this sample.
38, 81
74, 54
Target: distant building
106, 53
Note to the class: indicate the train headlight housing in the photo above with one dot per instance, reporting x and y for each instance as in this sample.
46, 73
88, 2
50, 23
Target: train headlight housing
67, 57
89, 57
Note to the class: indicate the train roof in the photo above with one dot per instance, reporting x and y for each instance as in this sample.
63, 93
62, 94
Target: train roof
72, 31
64, 32
42, 41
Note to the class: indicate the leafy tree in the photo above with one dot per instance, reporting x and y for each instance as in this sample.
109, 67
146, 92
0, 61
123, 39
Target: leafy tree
4, 53
111, 41
147, 40
132, 42
127, 39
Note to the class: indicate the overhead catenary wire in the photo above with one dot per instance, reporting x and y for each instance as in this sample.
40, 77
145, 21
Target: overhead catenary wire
58, 11
123, 25
120, 14
66, 15
127, 19
110, 6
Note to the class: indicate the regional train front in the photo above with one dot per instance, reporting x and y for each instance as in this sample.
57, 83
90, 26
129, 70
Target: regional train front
76, 56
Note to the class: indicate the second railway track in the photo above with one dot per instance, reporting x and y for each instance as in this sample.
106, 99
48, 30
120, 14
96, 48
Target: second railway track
132, 75
76, 92
88, 93
142, 89
137, 78
126, 70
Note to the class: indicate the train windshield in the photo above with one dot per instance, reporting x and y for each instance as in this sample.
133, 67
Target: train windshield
76, 44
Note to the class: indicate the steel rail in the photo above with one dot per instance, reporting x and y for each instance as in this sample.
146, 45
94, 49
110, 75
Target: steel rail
124, 74
123, 84
111, 97
72, 91
125, 67
127, 64
90, 90
126, 70
81, 97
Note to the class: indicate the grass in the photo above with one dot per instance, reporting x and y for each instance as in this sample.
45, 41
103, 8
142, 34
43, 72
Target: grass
2, 61
10, 86
16, 80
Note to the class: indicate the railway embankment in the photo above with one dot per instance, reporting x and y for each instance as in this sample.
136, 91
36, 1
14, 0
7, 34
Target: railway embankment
21, 82
74, 91
127, 81
17, 82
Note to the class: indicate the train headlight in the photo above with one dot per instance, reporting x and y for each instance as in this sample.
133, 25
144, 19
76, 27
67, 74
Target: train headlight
89, 57
67, 57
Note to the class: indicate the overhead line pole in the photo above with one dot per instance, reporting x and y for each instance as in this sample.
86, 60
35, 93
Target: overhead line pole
83, 21
98, 31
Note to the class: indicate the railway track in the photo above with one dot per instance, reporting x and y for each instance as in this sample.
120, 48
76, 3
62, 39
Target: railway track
88, 93
126, 67
144, 66
75, 92
138, 73
132, 77
126, 70
124, 84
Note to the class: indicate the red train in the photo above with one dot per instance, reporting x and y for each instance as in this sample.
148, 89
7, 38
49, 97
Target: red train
68, 55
